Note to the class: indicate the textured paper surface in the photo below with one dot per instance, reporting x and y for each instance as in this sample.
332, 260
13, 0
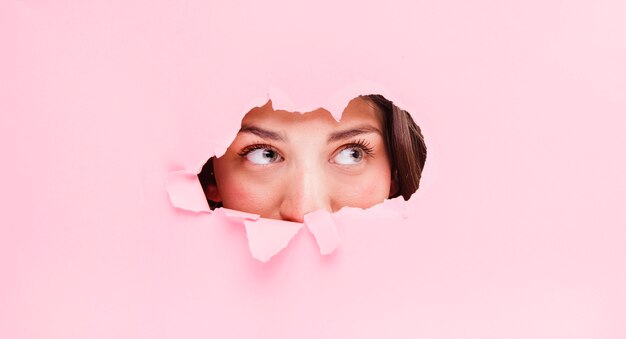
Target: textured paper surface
516, 232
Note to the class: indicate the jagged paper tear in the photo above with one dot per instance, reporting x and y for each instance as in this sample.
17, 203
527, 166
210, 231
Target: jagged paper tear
267, 237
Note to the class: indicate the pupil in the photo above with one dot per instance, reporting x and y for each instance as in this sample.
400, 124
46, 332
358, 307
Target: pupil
268, 154
356, 154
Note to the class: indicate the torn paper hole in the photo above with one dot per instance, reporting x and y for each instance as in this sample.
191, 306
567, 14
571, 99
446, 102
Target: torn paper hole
374, 152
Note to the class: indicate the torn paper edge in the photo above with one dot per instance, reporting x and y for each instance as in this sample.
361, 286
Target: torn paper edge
335, 103
186, 193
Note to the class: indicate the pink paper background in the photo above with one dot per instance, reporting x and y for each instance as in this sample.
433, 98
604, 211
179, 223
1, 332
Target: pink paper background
518, 231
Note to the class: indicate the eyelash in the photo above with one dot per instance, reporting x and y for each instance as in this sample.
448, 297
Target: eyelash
254, 147
363, 144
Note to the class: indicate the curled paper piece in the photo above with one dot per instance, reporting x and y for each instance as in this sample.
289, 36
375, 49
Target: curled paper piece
321, 224
267, 237
185, 191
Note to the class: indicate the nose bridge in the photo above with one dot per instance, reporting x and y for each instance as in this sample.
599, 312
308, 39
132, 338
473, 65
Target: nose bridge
306, 192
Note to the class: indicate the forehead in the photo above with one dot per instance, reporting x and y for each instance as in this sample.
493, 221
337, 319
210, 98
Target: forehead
358, 112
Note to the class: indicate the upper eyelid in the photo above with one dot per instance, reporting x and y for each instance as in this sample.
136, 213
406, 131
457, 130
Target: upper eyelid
249, 148
358, 143
362, 144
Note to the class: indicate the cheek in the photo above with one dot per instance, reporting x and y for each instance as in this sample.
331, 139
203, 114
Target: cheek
364, 191
246, 193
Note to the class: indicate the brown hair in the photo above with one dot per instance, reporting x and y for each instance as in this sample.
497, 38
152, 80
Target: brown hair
404, 142
405, 145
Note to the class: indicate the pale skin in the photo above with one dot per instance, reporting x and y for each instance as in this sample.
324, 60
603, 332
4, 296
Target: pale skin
283, 165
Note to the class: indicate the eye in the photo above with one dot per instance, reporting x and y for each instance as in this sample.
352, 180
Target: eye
353, 153
262, 156
349, 156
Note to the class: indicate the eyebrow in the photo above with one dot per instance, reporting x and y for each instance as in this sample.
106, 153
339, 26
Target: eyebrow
262, 133
336, 136
350, 133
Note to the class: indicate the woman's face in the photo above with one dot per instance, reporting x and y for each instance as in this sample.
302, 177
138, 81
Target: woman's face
284, 165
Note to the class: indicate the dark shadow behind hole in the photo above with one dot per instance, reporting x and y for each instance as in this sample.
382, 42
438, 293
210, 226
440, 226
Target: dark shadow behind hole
403, 139
206, 178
